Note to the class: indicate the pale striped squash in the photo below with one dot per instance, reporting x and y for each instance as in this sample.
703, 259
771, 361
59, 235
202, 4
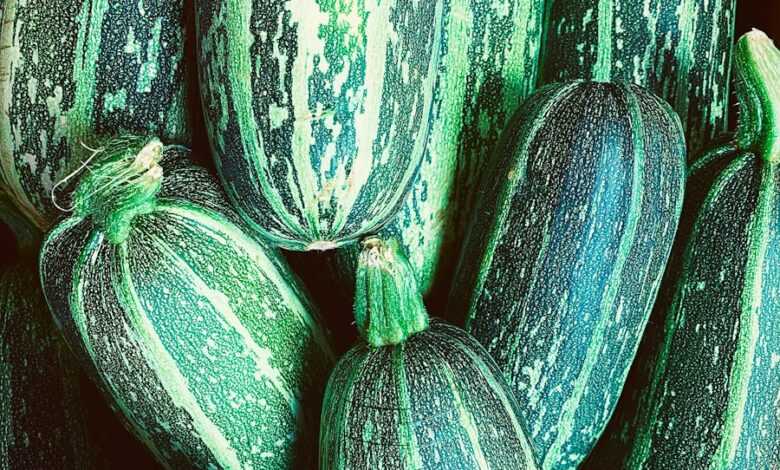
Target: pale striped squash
317, 110
198, 333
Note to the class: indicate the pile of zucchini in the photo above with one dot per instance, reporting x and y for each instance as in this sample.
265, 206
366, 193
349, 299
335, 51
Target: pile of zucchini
553, 250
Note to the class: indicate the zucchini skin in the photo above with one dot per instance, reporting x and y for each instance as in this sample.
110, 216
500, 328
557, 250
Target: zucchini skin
438, 396
317, 112
113, 66
679, 49
488, 65
593, 173
41, 413
714, 375
197, 332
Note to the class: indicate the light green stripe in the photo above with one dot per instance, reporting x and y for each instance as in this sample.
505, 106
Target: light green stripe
217, 224
602, 70
167, 372
411, 452
465, 419
87, 57
592, 358
749, 323
689, 16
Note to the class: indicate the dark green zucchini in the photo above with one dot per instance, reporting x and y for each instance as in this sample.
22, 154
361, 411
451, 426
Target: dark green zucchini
197, 332
680, 49
70, 69
317, 110
713, 382
562, 264
417, 393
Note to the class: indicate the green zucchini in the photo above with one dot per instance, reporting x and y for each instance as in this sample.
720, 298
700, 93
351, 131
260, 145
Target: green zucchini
110, 66
713, 384
416, 393
565, 253
488, 65
679, 49
317, 111
197, 332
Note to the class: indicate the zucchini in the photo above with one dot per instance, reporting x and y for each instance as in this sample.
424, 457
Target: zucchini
713, 387
197, 332
112, 66
592, 174
679, 49
416, 393
488, 65
317, 111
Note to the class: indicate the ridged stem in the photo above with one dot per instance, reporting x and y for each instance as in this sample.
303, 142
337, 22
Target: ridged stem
121, 183
757, 62
388, 304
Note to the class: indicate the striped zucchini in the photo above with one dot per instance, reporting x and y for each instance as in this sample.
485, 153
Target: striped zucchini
592, 174
488, 65
417, 393
680, 49
110, 66
197, 332
317, 111
713, 395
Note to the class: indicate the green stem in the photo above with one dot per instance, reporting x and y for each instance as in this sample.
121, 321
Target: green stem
122, 183
388, 304
757, 63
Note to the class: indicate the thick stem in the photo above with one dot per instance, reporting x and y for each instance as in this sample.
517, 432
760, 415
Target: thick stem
758, 90
388, 304
123, 182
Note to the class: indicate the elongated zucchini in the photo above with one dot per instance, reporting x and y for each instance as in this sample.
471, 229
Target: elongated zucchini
566, 251
197, 332
317, 111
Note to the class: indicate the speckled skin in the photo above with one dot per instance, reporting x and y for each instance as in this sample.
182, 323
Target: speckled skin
707, 395
197, 332
679, 49
436, 401
41, 415
317, 110
73, 68
488, 65
565, 254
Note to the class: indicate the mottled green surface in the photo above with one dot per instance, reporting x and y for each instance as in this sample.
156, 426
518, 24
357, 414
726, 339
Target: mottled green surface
436, 401
488, 65
197, 332
707, 395
680, 49
317, 110
566, 252
73, 68
41, 415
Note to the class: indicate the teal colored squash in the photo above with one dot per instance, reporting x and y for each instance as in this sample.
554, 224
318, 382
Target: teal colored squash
416, 393
70, 69
317, 111
713, 386
566, 250
679, 49
197, 332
